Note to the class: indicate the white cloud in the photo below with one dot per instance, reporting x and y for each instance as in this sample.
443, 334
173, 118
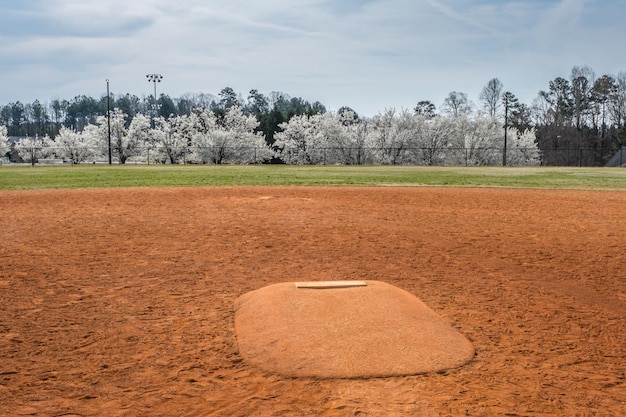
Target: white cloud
368, 54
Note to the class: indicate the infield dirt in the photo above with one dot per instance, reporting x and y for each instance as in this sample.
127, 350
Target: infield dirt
120, 302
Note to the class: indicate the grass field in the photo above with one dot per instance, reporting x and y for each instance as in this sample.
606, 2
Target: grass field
99, 176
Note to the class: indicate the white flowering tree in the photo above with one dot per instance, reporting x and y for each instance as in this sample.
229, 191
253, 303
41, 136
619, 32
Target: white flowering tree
31, 149
297, 142
393, 135
204, 124
140, 135
244, 145
522, 149
324, 138
381, 135
75, 146
479, 139
231, 141
360, 151
172, 138
5, 146
91, 134
213, 147
125, 142
341, 136
435, 138
403, 138
355, 150
406, 137
483, 142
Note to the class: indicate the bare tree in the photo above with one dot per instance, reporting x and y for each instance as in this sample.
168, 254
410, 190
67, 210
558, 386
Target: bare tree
541, 109
490, 96
456, 104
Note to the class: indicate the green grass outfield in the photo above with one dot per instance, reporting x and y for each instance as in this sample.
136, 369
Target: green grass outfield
25, 177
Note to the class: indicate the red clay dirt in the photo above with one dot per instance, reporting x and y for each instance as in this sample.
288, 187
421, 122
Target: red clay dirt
120, 302
374, 330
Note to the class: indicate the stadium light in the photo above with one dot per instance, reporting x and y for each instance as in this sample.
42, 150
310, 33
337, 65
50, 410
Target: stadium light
154, 78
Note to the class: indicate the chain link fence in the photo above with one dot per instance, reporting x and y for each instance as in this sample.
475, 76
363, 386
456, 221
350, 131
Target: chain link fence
324, 156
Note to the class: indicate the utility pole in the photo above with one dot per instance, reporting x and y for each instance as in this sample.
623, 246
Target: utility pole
506, 125
109, 120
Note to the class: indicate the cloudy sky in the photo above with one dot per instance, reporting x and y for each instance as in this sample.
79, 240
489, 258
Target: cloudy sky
366, 54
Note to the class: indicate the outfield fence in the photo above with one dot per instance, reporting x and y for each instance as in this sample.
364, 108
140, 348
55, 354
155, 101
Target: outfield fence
450, 156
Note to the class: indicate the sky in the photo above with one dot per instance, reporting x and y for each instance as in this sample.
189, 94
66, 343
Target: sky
370, 55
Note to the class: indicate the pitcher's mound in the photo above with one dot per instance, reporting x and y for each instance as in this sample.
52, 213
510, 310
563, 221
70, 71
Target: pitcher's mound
368, 329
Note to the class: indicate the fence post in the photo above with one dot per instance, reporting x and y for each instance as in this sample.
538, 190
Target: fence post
580, 156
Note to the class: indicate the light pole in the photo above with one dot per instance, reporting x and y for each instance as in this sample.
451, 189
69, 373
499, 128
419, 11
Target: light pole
154, 78
109, 119
506, 125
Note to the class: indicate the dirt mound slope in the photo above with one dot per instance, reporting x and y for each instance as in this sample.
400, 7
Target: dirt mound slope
375, 330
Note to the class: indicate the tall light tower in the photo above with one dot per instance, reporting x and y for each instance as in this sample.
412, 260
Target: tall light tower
154, 78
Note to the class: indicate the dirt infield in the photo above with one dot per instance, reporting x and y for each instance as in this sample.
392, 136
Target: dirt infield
121, 302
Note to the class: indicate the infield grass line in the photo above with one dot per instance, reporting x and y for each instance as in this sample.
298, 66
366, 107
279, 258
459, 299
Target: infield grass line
26, 177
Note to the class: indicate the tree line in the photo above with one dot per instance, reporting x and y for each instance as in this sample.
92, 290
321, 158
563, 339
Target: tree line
37, 119
204, 137
580, 120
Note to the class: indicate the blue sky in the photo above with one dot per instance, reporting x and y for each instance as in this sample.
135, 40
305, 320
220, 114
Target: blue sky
366, 54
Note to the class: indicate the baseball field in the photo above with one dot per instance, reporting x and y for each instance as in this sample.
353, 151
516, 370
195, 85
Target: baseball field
118, 286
